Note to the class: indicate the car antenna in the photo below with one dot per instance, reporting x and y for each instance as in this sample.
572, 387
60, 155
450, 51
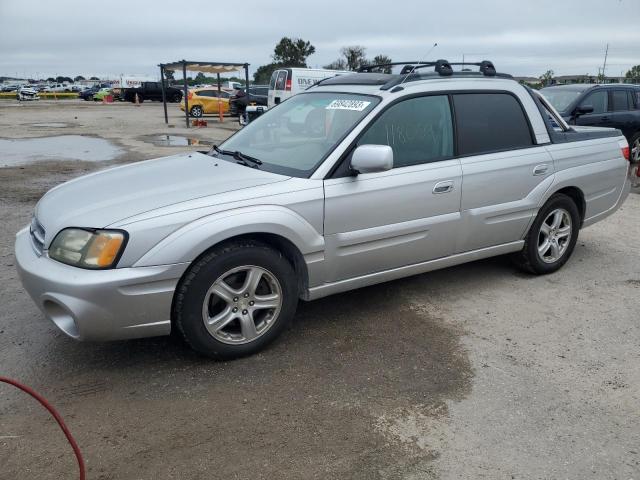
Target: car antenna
419, 63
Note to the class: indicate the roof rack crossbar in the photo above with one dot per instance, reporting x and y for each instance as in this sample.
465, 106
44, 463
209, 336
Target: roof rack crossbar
442, 67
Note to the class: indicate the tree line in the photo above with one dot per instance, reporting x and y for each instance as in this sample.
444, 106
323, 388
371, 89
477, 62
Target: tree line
293, 52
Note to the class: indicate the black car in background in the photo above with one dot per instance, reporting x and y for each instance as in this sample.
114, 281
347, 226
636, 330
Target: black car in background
239, 101
610, 105
87, 94
151, 91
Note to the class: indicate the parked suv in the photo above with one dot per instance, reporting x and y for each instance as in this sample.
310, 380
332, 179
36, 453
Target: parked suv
356, 181
151, 91
258, 95
610, 105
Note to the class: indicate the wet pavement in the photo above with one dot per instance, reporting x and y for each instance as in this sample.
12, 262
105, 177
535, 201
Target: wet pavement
68, 147
175, 141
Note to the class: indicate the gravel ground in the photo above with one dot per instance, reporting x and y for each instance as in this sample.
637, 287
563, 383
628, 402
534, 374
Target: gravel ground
477, 371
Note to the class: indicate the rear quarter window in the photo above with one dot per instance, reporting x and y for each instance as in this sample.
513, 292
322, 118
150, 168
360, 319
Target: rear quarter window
490, 122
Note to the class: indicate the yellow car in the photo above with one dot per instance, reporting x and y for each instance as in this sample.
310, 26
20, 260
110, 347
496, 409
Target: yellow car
205, 100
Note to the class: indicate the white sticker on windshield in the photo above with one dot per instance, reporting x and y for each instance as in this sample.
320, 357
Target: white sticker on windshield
356, 105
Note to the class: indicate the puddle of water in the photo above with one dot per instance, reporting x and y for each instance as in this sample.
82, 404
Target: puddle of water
175, 141
65, 147
50, 125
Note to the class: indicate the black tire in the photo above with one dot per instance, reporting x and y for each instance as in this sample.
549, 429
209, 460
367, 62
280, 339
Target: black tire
176, 98
529, 259
192, 291
196, 111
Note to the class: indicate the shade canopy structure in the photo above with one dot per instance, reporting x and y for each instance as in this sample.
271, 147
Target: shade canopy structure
193, 66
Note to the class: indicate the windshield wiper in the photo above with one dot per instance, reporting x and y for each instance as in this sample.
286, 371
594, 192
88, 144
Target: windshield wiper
238, 155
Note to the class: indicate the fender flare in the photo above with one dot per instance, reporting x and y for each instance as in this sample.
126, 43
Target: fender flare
194, 238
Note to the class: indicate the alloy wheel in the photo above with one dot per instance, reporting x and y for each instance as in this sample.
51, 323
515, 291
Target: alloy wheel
242, 304
635, 151
554, 236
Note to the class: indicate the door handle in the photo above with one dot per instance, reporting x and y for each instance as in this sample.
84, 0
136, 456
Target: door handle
443, 187
605, 118
540, 169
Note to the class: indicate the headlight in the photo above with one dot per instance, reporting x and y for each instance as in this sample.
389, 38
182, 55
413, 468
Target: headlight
94, 249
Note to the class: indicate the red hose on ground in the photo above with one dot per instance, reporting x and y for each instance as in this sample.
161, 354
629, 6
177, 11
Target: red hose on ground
43, 401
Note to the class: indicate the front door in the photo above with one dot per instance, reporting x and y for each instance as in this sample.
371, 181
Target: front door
600, 116
407, 215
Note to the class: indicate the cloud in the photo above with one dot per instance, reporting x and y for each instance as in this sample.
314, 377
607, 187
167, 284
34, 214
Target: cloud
521, 37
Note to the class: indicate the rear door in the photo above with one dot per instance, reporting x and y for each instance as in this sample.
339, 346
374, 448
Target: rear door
407, 215
153, 91
501, 167
277, 89
623, 114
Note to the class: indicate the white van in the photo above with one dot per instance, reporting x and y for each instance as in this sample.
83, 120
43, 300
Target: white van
291, 81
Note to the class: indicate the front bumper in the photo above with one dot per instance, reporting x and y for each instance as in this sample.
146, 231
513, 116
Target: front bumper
99, 304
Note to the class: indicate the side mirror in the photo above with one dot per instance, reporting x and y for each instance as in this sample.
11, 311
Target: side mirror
372, 158
584, 109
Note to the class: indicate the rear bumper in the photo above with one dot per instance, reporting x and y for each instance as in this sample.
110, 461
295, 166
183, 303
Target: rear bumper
99, 305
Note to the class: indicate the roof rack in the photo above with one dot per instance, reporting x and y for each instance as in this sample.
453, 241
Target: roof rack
366, 75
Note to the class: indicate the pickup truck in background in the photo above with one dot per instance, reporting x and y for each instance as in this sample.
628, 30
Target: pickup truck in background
151, 91
362, 178
257, 95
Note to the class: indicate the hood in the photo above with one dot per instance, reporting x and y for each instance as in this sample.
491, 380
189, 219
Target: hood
102, 198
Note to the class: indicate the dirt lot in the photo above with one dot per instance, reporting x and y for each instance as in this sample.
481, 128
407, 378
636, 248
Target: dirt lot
477, 371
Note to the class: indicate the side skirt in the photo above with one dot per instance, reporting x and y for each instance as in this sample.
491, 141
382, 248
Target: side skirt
408, 270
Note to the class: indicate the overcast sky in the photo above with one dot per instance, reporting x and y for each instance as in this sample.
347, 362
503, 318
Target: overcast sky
522, 37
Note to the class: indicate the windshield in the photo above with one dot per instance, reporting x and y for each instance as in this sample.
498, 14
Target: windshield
560, 98
294, 137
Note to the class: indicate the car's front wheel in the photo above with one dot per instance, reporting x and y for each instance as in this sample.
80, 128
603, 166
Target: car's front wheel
235, 300
196, 111
552, 237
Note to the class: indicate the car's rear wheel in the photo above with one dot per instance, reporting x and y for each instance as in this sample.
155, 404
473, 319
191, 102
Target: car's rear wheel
176, 98
196, 111
552, 237
235, 300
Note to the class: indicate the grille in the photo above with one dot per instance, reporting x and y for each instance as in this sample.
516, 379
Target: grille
37, 235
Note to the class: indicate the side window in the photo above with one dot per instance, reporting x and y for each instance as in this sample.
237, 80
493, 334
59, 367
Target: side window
223, 94
489, 122
281, 80
631, 98
419, 130
598, 100
638, 99
206, 93
620, 102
